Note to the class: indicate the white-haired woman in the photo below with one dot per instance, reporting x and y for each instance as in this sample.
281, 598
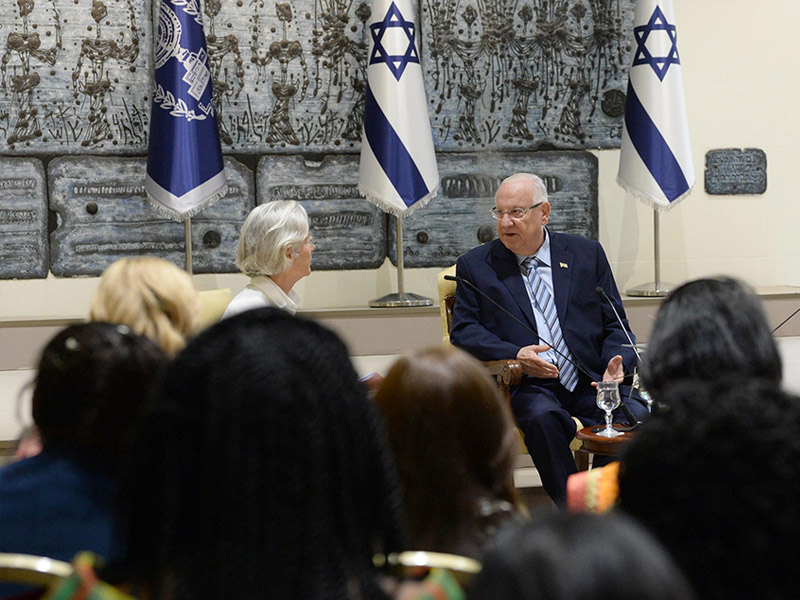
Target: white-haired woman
274, 250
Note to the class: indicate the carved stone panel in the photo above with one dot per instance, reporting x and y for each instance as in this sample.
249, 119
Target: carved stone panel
507, 75
76, 76
289, 77
103, 215
349, 232
23, 219
459, 218
735, 172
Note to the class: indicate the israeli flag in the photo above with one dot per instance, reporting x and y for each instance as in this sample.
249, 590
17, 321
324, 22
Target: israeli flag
185, 172
398, 169
655, 162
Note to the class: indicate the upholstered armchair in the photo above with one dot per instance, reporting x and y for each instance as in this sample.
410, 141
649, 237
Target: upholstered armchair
508, 373
212, 305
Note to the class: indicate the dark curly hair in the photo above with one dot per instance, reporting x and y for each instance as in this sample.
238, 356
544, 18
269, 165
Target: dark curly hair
91, 384
706, 329
715, 478
262, 471
563, 556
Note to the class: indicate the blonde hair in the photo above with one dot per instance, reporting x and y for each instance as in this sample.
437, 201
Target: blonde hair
151, 296
267, 232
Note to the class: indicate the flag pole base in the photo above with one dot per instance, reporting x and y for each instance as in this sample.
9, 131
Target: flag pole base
657, 289
398, 300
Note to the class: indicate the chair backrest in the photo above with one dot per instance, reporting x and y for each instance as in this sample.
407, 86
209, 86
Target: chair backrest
447, 297
212, 305
415, 564
39, 571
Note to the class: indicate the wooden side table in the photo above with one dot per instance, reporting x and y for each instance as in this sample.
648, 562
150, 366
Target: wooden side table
602, 445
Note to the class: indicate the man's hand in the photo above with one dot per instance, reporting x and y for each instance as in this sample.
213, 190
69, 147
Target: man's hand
614, 370
534, 365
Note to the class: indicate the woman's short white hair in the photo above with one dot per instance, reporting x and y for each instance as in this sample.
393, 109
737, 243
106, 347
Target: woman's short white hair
267, 232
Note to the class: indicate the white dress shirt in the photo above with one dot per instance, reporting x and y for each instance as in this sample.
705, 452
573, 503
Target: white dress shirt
261, 292
545, 273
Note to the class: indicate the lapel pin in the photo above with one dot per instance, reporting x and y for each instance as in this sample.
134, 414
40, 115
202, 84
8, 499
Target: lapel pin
564, 265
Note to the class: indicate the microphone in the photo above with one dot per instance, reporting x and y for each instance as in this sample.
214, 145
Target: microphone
602, 293
632, 420
524, 325
786, 320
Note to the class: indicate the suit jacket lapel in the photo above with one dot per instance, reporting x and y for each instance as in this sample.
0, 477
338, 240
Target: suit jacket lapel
504, 263
561, 258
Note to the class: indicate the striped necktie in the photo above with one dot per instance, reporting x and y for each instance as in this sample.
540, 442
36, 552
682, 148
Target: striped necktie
567, 373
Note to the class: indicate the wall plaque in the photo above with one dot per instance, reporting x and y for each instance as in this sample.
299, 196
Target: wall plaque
103, 215
458, 219
734, 172
23, 219
349, 232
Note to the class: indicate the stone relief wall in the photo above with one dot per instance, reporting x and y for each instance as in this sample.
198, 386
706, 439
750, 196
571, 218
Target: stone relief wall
74, 76
459, 219
506, 76
103, 215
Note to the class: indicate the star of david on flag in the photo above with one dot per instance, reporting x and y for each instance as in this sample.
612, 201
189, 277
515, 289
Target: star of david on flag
398, 170
643, 56
655, 153
396, 62
185, 170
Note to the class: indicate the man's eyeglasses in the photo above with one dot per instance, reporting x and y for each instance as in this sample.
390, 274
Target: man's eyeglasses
514, 213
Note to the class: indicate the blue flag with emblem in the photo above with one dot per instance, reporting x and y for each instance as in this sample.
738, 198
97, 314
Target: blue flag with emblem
185, 171
655, 162
398, 170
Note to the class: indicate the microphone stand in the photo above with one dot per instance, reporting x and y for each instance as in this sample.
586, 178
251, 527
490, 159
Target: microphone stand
636, 384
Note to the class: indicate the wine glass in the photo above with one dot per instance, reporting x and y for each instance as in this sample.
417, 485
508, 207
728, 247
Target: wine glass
608, 399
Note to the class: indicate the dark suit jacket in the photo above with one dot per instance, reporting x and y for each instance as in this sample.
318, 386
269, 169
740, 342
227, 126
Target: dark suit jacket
579, 266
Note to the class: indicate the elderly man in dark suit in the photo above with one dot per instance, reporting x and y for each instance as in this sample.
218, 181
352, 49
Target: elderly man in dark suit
549, 281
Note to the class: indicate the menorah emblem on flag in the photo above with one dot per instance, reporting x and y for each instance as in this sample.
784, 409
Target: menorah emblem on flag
185, 171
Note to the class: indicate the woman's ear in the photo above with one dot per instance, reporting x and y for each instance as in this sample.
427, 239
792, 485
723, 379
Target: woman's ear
289, 252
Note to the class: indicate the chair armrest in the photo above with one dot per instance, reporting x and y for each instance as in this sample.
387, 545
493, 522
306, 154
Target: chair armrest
507, 372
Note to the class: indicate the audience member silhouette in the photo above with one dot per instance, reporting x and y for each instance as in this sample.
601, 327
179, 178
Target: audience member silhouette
706, 330
91, 383
709, 329
454, 441
262, 470
151, 296
559, 556
715, 479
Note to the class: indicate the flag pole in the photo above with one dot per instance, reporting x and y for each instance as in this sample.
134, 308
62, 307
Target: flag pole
657, 248
657, 288
187, 224
401, 290
655, 161
400, 298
